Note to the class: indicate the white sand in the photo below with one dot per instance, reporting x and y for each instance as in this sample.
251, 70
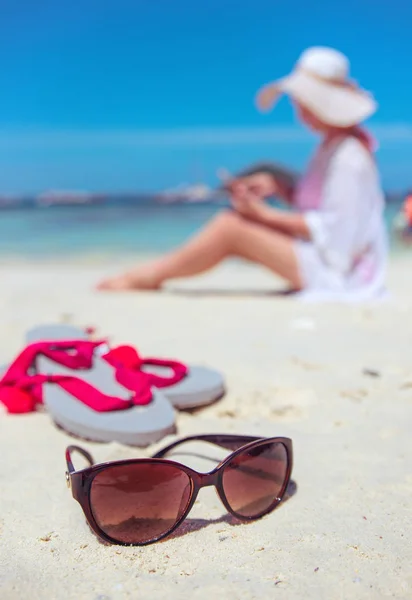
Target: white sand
292, 369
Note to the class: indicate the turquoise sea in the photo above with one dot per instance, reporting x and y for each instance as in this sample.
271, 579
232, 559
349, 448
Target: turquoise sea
103, 230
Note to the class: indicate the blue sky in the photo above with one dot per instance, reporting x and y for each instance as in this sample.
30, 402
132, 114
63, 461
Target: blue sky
146, 94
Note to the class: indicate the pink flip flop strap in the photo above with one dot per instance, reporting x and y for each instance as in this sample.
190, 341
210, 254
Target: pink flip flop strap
68, 354
72, 354
129, 363
21, 392
22, 395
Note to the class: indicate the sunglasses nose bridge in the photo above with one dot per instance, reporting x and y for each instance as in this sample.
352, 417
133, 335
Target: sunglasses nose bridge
208, 479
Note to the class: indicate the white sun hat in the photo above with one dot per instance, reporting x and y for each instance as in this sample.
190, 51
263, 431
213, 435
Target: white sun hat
320, 82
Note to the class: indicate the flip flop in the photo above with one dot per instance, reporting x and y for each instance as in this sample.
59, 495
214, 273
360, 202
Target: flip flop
185, 387
94, 406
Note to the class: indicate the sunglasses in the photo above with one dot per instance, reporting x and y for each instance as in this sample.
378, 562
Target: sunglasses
140, 501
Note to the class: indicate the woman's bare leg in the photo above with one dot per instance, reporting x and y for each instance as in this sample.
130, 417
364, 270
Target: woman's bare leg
226, 235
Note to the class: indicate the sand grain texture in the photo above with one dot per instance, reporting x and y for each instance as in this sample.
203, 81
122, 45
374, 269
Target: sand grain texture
337, 379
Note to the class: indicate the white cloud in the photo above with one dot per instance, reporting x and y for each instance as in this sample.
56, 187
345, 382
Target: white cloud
213, 136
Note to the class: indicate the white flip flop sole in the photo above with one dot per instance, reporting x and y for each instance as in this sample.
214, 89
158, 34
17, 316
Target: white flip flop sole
134, 426
201, 386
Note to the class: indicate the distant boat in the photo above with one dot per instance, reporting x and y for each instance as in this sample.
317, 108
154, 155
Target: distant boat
67, 197
191, 194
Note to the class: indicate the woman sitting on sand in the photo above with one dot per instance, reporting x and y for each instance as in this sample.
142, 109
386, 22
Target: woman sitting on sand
334, 239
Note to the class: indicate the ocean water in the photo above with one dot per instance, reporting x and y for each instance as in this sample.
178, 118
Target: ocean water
101, 231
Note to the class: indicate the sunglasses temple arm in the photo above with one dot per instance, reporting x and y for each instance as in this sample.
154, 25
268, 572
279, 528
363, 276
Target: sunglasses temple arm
84, 453
227, 441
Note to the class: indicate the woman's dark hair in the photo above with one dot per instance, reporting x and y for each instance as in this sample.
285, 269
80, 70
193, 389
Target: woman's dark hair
285, 178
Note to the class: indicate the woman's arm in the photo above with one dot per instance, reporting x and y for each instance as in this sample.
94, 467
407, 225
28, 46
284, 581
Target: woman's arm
292, 224
251, 205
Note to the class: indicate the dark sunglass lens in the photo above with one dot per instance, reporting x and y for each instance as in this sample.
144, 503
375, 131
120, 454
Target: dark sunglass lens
138, 503
254, 479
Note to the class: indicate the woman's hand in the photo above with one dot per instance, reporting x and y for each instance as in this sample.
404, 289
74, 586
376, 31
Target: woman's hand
247, 202
248, 194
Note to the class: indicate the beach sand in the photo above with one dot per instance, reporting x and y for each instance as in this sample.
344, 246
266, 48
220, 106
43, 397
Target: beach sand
337, 379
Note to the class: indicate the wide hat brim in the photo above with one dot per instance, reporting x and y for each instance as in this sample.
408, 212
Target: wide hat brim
335, 104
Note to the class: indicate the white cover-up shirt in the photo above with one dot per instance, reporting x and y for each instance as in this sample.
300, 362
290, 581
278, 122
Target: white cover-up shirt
348, 248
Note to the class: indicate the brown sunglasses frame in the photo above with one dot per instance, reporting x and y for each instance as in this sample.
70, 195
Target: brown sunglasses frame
81, 481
